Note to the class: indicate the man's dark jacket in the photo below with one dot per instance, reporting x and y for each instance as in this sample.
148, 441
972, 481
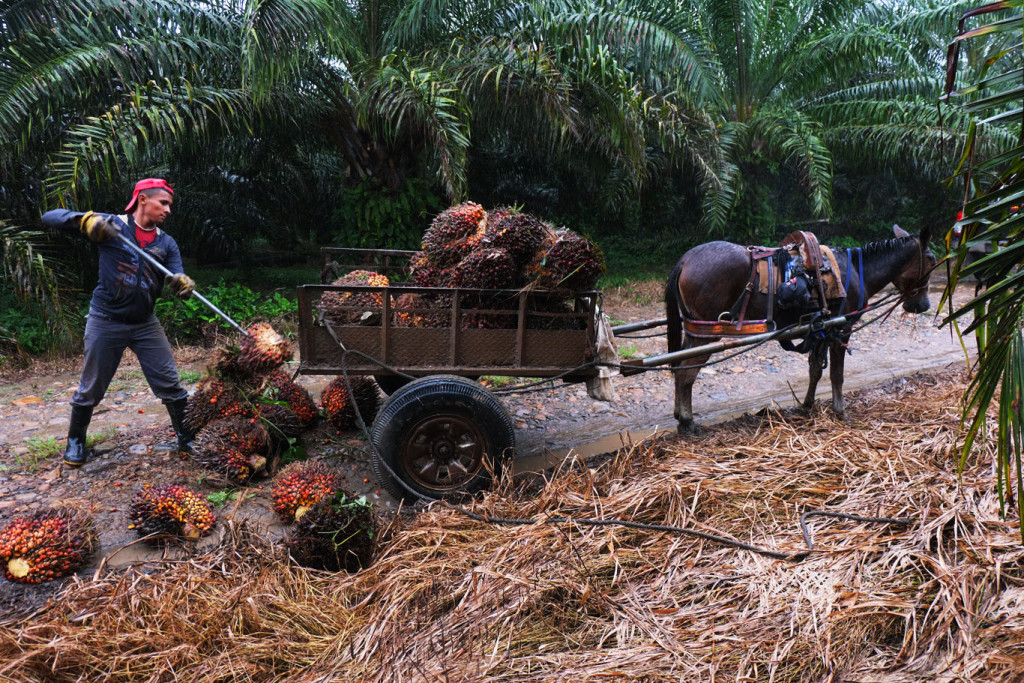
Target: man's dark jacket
128, 286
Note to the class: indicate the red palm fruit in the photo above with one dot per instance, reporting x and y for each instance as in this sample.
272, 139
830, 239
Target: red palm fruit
214, 398
454, 233
278, 386
236, 447
567, 261
46, 545
263, 349
355, 307
171, 510
300, 486
420, 310
520, 234
425, 273
339, 406
337, 533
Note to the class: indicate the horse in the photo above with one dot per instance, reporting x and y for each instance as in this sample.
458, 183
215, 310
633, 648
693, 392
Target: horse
710, 278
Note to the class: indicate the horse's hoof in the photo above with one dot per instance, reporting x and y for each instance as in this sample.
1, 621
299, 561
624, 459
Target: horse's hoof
689, 428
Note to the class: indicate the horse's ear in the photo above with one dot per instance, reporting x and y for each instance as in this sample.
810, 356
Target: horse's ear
925, 236
900, 232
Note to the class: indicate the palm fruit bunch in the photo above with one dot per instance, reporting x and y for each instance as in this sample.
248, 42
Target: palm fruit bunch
171, 510
337, 533
236, 447
46, 545
213, 399
454, 233
300, 486
354, 307
263, 349
422, 310
340, 407
567, 260
281, 421
520, 234
425, 274
486, 269
277, 386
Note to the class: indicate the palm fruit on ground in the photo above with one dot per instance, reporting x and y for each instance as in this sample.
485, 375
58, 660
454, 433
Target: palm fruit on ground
425, 273
520, 234
338, 404
337, 533
277, 386
300, 486
214, 398
263, 349
170, 509
454, 233
281, 422
236, 447
46, 545
567, 261
338, 306
421, 310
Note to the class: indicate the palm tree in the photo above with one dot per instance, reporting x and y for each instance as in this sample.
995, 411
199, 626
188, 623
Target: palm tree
994, 194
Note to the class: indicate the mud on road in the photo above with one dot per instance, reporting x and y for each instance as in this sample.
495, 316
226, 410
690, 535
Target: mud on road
549, 424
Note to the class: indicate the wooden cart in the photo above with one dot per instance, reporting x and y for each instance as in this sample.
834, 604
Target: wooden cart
440, 432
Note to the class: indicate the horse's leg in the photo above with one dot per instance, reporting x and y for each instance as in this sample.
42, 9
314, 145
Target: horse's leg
685, 376
814, 362
837, 357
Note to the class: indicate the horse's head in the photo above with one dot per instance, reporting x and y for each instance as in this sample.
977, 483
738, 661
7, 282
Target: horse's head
912, 280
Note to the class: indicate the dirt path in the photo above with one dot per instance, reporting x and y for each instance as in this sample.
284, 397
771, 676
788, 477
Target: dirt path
34, 412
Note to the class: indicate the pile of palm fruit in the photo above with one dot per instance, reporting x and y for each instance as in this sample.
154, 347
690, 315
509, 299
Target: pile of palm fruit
171, 510
46, 545
300, 486
507, 249
360, 308
246, 408
336, 533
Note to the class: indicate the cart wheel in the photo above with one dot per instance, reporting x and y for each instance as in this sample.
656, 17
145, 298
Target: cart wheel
389, 384
440, 435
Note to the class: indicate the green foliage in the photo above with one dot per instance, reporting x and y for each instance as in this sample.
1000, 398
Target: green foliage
39, 451
189, 376
375, 217
191, 322
219, 499
990, 55
21, 324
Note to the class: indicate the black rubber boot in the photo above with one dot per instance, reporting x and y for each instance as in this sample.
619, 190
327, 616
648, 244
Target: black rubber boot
75, 454
176, 409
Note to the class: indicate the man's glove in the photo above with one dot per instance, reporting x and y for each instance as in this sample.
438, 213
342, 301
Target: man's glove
97, 227
181, 285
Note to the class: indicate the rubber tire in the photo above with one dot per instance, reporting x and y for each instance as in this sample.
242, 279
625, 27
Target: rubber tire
389, 384
418, 401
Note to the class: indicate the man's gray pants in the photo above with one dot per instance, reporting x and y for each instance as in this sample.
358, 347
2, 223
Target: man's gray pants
105, 342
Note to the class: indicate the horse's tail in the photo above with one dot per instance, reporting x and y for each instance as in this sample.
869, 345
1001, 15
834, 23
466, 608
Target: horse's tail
674, 308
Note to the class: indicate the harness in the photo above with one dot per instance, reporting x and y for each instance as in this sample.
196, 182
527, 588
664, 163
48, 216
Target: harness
799, 262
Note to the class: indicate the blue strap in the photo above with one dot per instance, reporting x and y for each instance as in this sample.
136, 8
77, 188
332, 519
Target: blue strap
860, 272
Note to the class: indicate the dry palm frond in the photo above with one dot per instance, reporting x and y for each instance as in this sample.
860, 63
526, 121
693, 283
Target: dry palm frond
450, 598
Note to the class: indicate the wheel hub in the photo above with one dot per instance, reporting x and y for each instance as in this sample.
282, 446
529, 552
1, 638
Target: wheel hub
443, 452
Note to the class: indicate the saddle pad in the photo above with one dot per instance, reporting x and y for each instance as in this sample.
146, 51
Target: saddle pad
830, 275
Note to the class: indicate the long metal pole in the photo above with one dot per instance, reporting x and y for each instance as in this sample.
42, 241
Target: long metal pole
626, 367
159, 266
636, 327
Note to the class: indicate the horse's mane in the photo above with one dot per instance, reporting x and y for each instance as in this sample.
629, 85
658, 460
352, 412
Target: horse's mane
885, 247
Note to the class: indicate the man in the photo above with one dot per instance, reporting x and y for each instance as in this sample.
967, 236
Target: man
121, 311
